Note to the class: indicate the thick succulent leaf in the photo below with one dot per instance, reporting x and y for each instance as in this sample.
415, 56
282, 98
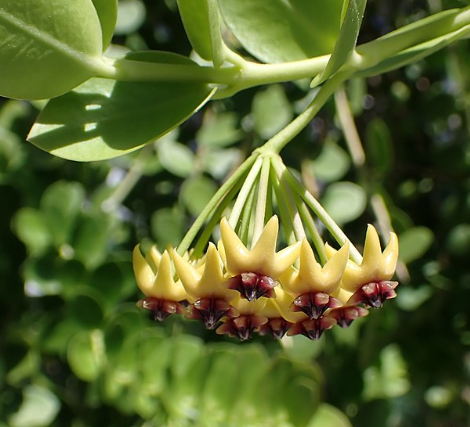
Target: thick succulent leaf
346, 41
102, 119
284, 30
201, 22
47, 46
107, 14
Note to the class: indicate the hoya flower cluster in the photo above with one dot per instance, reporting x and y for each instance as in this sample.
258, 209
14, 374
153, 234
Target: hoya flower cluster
238, 291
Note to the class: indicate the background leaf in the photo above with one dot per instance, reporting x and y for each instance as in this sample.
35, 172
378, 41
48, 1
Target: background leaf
344, 201
271, 111
38, 409
414, 243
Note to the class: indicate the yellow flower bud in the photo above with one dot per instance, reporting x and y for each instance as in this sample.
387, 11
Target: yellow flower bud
262, 258
205, 281
376, 265
159, 284
311, 276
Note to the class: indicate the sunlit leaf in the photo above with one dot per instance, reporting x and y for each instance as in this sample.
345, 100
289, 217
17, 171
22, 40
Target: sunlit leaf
48, 47
280, 31
39, 408
103, 118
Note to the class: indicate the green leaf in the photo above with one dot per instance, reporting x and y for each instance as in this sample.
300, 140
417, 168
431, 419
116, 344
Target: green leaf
284, 30
458, 240
332, 163
31, 227
344, 201
87, 308
175, 157
201, 22
271, 111
217, 397
414, 243
379, 146
388, 380
85, 354
61, 203
102, 119
219, 130
153, 368
39, 408
107, 14
252, 366
167, 226
48, 47
196, 192
346, 42
329, 416
90, 240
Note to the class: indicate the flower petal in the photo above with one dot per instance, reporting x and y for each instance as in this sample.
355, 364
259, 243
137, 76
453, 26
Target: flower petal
144, 274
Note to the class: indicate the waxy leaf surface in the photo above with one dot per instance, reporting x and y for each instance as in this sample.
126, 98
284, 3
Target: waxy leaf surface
284, 30
47, 47
102, 119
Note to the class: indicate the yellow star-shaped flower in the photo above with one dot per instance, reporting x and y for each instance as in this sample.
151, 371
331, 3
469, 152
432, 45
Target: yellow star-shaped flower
311, 276
262, 258
376, 265
205, 281
154, 276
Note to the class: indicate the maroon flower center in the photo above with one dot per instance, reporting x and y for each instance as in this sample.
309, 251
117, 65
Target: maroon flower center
161, 308
241, 327
253, 286
312, 328
276, 326
210, 311
314, 304
374, 294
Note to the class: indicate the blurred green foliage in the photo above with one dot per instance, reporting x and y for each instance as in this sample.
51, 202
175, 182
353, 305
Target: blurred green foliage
74, 349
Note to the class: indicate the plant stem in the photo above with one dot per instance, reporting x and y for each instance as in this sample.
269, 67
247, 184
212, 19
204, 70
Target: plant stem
218, 196
244, 192
281, 139
350, 133
320, 212
261, 201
